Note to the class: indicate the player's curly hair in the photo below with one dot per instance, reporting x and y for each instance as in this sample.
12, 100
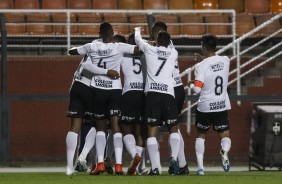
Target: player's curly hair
106, 29
209, 41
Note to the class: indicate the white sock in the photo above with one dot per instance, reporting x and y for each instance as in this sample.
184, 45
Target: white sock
152, 146
110, 145
181, 154
226, 144
200, 150
89, 143
130, 144
100, 145
174, 142
118, 145
142, 164
139, 150
71, 143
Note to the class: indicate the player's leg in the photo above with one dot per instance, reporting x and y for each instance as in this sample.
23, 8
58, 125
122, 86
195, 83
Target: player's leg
202, 125
109, 152
221, 126
141, 147
100, 114
180, 97
79, 95
114, 111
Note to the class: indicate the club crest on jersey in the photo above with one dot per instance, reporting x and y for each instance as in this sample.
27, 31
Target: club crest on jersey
217, 67
158, 86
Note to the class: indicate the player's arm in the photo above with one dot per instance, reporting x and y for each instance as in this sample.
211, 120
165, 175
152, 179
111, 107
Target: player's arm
89, 70
196, 86
73, 51
139, 41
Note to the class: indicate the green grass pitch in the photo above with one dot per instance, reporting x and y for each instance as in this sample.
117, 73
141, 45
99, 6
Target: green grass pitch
252, 177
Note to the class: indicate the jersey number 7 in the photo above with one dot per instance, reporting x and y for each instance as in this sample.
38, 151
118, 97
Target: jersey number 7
161, 66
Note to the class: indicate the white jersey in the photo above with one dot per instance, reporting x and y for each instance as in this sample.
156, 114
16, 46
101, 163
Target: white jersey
133, 73
176, 71
78, 73
108, 56
160, 63
213, 72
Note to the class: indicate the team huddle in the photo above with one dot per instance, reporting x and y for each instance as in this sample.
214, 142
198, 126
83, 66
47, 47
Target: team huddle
150, 95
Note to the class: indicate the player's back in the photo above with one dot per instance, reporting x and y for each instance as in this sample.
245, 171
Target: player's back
213, 72
160, 63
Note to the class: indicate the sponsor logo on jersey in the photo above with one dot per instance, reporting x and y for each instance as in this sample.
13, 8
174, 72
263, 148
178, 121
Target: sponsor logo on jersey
177, 80
104, 52
136, 85
158, 86
217, 67
217, 105
162, 53
103, 83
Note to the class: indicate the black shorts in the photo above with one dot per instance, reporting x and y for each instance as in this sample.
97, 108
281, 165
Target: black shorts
179, 94
107, 103
219, 121
81, 101
132, 106
160, 107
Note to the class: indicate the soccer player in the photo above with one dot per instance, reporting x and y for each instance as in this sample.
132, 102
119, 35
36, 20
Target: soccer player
80, 107
179, 96
107, 91
132, 106
160, 104
211, 80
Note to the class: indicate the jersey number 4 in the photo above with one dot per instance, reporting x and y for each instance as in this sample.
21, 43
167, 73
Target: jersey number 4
102, 64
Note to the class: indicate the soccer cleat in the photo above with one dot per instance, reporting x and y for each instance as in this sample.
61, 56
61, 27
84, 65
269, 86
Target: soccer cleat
154, 172
173, 168
99, 169
81, 165
70, 172
184, 170
132, 168
200, 172
108, 166
225, 160
118, 169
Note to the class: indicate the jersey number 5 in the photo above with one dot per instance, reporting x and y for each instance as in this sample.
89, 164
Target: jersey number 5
136, 63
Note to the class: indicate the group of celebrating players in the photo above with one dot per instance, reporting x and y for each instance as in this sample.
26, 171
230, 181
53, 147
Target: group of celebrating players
152, 95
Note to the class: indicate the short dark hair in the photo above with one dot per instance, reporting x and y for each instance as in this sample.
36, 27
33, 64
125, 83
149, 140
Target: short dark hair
159, 25
105, 28
131, 39
163, 38
119, 38
209, 41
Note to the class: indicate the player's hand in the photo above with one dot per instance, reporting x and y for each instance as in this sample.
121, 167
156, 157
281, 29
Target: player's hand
152, 43
190, 82
137, 29
113, 74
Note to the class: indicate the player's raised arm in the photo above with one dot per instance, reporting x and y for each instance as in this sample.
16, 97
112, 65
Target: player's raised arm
139, 41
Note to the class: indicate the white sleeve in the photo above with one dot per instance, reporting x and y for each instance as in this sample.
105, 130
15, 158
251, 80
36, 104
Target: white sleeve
95, 69
142, 45
84, 49
199, 73
125, 48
